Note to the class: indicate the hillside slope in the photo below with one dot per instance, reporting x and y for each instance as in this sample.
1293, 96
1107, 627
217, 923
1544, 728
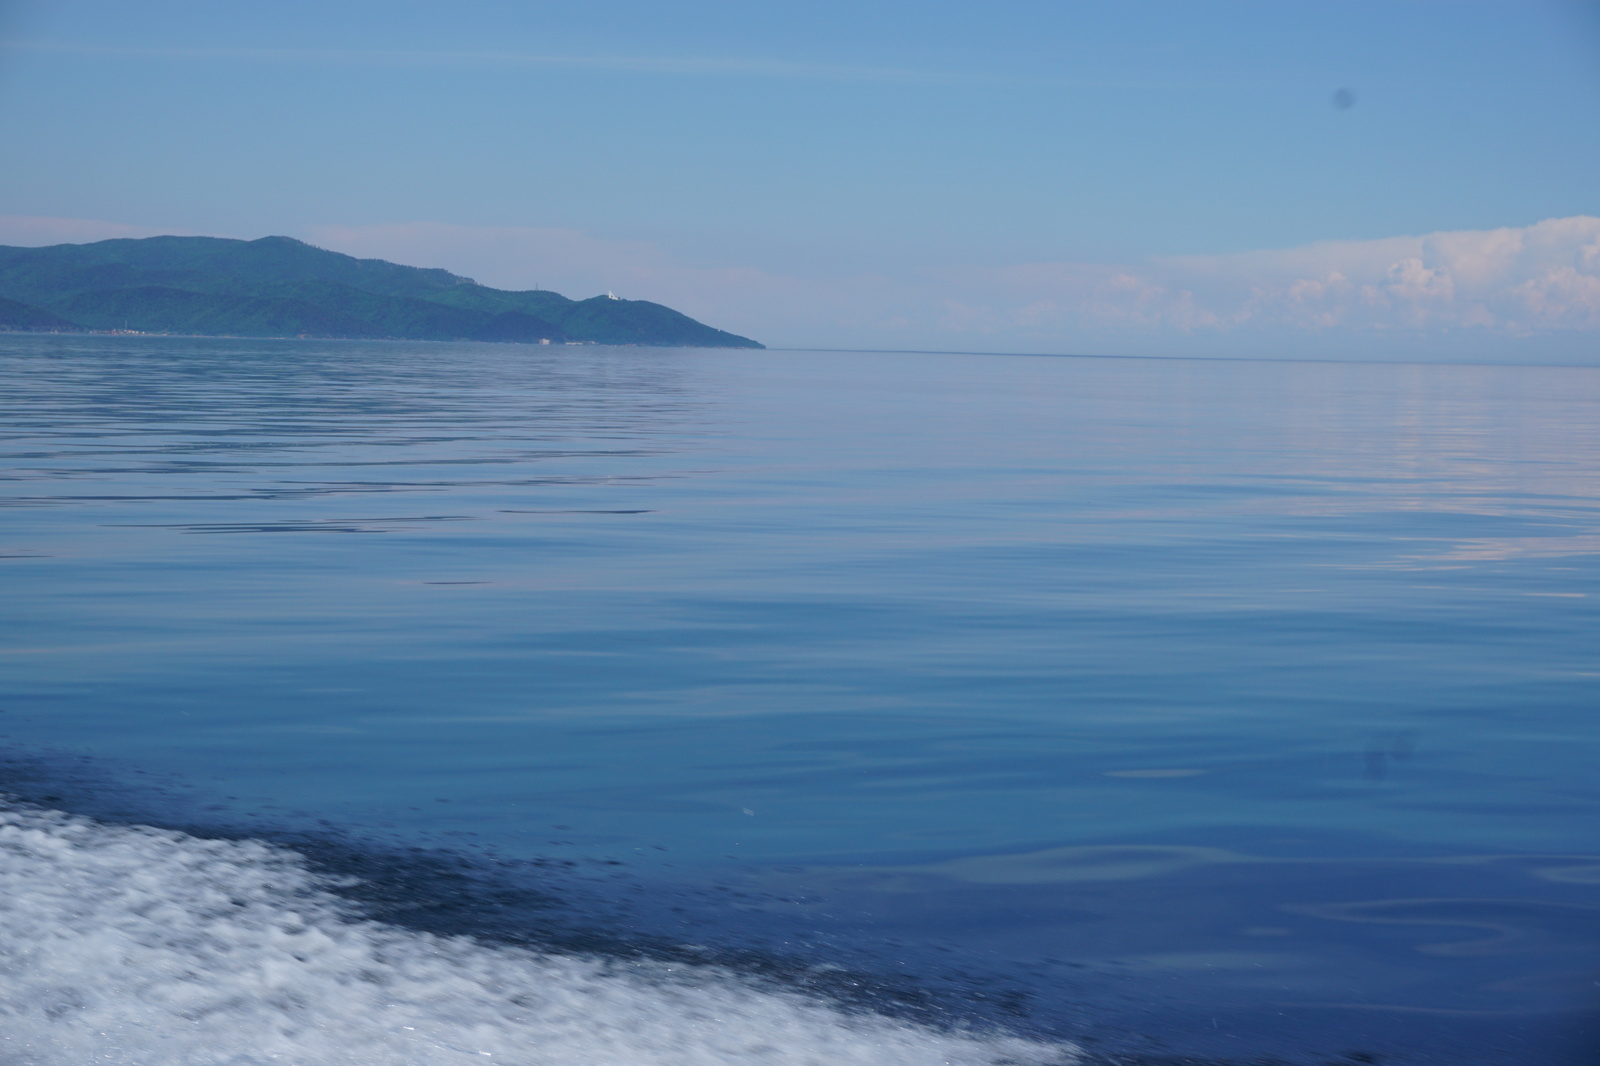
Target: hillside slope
21, 318
281, 287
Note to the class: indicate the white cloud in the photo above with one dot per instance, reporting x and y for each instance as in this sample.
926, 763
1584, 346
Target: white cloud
727, 66
1513, 281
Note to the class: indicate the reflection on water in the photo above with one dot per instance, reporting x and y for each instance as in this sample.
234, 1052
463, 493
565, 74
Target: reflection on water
1219, 709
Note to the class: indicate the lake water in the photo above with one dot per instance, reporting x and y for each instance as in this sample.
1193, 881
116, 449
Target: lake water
793, 707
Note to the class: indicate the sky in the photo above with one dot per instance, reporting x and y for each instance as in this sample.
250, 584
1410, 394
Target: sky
1362, 179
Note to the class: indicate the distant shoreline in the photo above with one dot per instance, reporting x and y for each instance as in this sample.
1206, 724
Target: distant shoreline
6, 332
278, 287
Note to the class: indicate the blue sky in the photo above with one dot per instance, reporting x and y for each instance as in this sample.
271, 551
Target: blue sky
938, 174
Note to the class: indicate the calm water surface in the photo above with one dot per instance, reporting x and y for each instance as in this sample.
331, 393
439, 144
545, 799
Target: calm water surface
1231, 710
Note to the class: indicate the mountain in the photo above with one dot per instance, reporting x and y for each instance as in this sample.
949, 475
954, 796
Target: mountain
21, 318
281, 287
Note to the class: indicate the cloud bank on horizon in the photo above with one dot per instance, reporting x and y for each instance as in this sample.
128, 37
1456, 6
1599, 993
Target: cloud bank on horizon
1512, 280
1519, 292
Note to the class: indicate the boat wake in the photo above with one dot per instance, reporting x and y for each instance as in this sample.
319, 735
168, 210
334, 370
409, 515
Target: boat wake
138, 945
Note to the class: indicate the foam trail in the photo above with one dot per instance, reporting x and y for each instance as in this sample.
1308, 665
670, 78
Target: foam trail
149, 947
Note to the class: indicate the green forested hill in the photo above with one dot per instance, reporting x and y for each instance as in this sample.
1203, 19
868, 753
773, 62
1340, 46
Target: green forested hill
281, 287
20, 316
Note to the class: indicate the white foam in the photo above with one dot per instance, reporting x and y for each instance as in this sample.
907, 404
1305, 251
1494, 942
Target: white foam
133, 945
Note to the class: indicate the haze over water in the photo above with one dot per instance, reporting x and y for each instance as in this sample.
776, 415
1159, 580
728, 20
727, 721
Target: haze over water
1221, 709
